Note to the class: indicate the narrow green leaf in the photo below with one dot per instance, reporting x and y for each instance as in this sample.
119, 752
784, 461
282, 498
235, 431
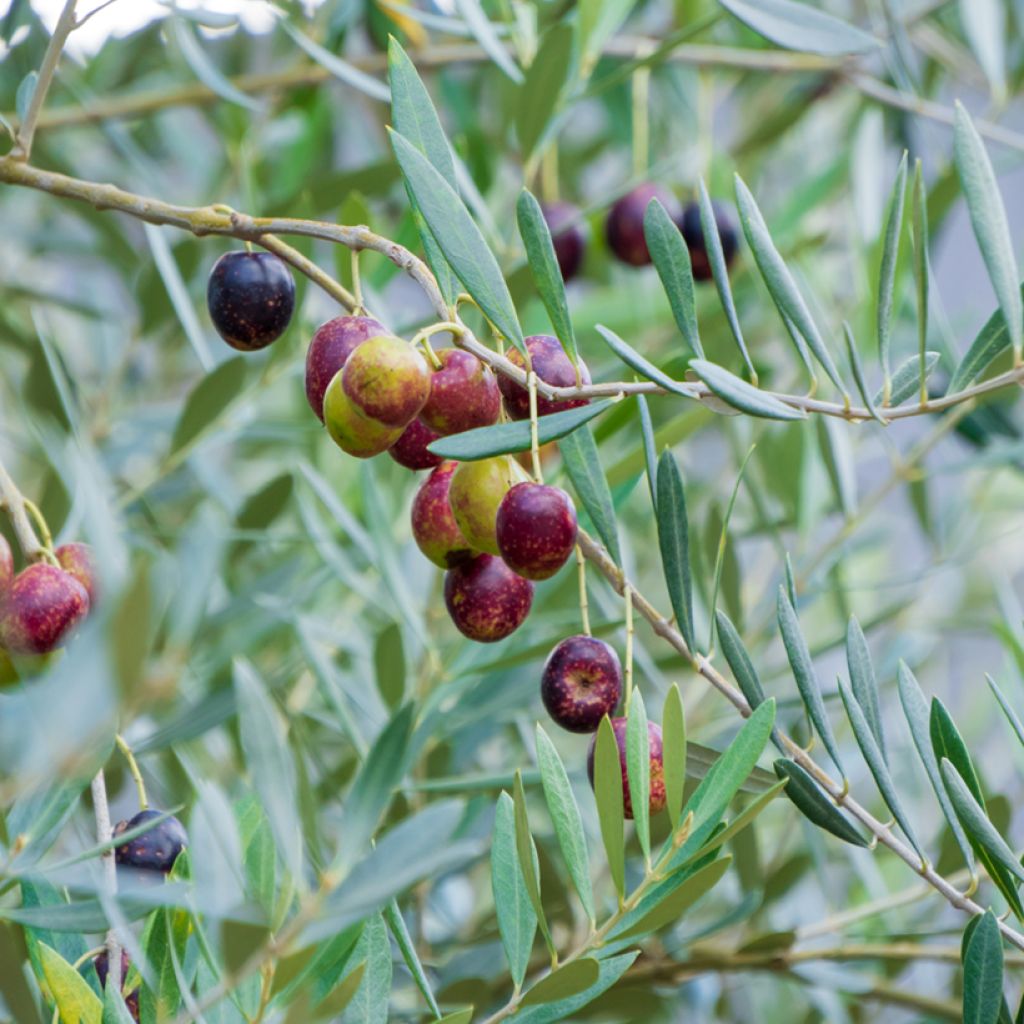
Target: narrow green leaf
608, 795
983, 972
796, 26
540, 253
743, 396
114, 1009
611, 969
638, 771
75, 1001
487, 36
650, 449
990, 343
458, 1017
517, 920
340, 69
540, 95
711, 798
836, 451
720, 273
887, 269
505, 438
671, 909
18, 995
858, 373
674, 543
459, 238
371, 792
413, 114
23, 97
743, 819
643, 366
922, 274
863, 681
364, 993
269, 762
988, 218
396, 924
527, 854
906, 380
723, 547
672, 261
565, 816
876, 762
738, 658
673, 747
915, 709
205, 70
207, 400
814, 805
806, 678
575, 977
779, 280
1011, 715
582, 462
976, 822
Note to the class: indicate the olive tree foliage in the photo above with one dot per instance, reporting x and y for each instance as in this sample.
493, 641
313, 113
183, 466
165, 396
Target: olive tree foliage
800, 486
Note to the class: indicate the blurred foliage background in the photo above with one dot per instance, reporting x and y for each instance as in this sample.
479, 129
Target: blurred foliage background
229, 528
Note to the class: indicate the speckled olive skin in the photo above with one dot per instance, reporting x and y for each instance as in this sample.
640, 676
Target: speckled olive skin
350, 430
581, 683
486, 600
433, 525
570, 241
463, 394
155, 850
552, 366
42, 608
77, 559
657, 801
131, 1000
536, 529
693, 235
331, 346
475, 493
6, 564
410, 450
624, 227
251, 297
387, 380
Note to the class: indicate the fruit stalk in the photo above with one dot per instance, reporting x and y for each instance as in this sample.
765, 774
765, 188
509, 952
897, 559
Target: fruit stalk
133, 768
581, 571
104, 833
17, 509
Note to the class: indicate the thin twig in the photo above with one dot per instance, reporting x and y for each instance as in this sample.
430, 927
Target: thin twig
17, 510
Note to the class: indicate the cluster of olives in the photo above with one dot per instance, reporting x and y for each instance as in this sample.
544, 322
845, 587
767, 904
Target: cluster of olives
624, 231
42, 606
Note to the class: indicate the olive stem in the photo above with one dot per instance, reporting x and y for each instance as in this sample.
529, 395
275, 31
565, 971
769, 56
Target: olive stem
104, 833
47, 538
357, 284
538, 473
581, 572
133, 767
17, 510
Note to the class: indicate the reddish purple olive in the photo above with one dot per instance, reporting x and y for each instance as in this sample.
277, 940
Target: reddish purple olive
624, 227
536, 529
463, 394
101, 963
410, 450
251, 297
552, 366
43, 606
657, 800
387, 380
569, 236
486, 600
78, 560
6, 564
433, 525
693, 234
156, 849
329, 350
581, 683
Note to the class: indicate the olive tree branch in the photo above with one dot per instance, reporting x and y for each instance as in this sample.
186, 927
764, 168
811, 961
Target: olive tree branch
104, 833
218, 220
66, 24
16, 504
